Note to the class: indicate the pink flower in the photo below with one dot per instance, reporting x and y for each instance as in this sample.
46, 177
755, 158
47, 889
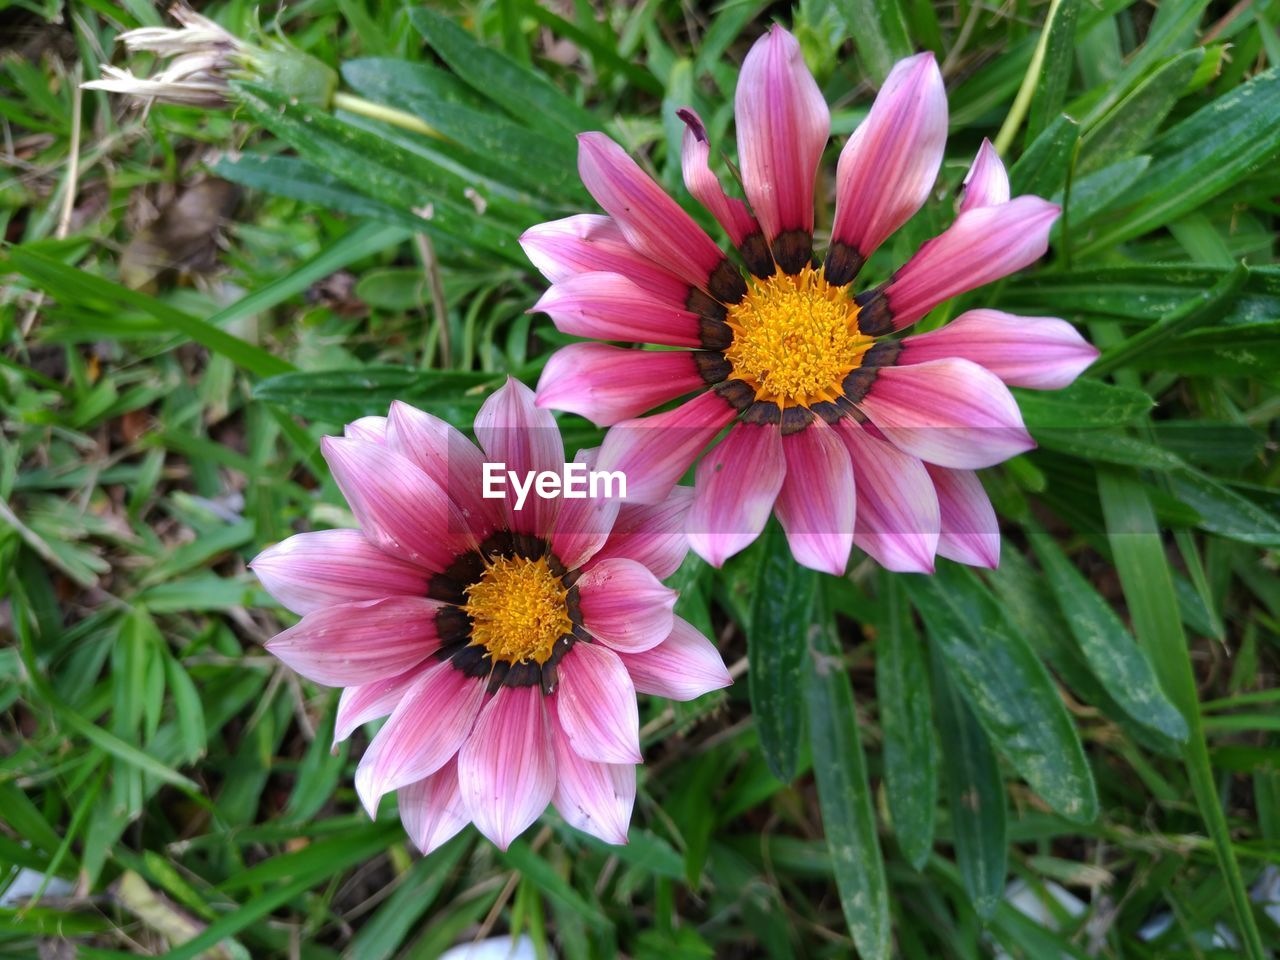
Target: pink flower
817, 394
506, 646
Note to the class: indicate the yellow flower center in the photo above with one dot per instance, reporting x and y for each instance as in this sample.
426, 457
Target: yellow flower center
518, 610
795, 338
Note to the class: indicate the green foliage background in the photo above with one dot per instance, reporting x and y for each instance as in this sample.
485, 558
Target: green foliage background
1098, 715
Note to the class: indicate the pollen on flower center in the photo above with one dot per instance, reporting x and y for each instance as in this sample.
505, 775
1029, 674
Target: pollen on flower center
795, 338
518, 610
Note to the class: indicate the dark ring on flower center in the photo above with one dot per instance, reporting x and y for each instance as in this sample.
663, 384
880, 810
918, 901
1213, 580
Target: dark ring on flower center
756, 255
874, 317
843, 264
793, 250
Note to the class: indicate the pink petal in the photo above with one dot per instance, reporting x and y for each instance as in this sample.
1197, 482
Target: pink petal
401, 510
354, 643
737, 483
372, 701
450, 459
608, 306
970, 533
949, 412
507, 768
432, 809
596, 705
371, 429
890, 163
314, 570
816, 506
594, 797
424, 732
898, 516
590, 243
651, 533
683, 667
624, 605
783, 125
984, 244
651, 221
1041, 352
986, 184
583, 524
513, 431
607, 384
654, 452
730, 212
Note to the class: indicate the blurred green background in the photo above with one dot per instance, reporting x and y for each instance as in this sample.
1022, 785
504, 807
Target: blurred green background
1073, 756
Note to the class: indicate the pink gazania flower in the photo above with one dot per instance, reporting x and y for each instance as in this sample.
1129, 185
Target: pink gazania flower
818, 394
507, 646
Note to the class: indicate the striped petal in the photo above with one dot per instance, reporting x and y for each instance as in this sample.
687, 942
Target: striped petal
695, 160
424, 732
372, 429
737, 484
596, 705
986, 184
624, 605
450, 459
432, 810
949, 412
596, 798
651, 221
401, 510
584, 523
898, 516
651, 533
507, 767
591, 243
513, 431
606, 384
371, 701
982, 245
608, 306
816, 506
783, 125
654, 452
683, 667
1044, 353
354, 643
970, 533
889, 165
310, 571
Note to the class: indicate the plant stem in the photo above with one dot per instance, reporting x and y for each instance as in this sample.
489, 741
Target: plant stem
1022, 102
378, 111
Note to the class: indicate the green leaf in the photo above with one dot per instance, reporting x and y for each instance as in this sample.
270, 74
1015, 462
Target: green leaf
1086, 403
1008, 688
848, 815
1111, 652
301, 180
340, 396
381, 166
1127, 128
1042, 169
906, 719
526, 95
1140, 559
72, 286
975, 795
1214, 148
548, 159
545, 877
878, 32
1201, 310
1059, 59
1223, 511
782, 602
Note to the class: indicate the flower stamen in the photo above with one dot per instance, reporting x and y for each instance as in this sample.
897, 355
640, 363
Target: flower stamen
795, 338
518, 610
